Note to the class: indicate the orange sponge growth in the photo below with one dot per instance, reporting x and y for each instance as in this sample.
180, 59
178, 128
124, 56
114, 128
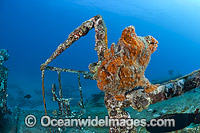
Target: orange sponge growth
124, 64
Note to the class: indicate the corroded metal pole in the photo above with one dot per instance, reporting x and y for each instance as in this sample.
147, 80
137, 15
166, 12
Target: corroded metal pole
100, 38
60, 85
65, 70
86, 74
43, 93
80, 90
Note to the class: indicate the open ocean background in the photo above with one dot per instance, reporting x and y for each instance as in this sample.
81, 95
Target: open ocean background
31, 30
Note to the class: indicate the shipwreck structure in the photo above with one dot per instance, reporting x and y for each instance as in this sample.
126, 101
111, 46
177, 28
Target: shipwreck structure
120, 69
3, 81
3, 88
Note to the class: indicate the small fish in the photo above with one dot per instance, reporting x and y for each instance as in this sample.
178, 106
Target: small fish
27, 96
182, 120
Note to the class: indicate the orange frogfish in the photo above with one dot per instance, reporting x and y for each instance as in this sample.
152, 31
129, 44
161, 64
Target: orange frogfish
124, 64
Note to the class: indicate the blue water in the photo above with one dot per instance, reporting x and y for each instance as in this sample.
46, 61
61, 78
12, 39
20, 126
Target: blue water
31, 30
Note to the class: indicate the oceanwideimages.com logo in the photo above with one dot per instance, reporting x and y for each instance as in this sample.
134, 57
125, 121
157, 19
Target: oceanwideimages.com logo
47, 121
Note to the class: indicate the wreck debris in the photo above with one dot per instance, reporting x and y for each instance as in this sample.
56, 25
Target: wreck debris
140, 100
43, 93
120, 70
4, 56
116, 111
176, 87
100, 46
4, 120
100, 36
86, 74
64, 104
81, 95
60, 86
128, 58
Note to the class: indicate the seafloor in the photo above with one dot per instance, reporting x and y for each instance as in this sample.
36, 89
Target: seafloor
186, 103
